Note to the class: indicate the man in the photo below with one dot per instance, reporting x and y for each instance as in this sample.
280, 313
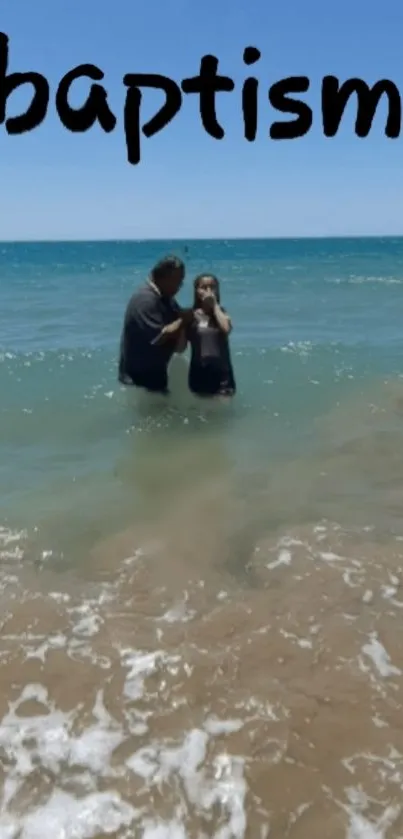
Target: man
152, 328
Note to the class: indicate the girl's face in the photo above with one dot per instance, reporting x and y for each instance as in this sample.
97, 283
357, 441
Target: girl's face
206, 286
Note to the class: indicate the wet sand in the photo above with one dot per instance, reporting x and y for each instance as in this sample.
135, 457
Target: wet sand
168, 698
228, 666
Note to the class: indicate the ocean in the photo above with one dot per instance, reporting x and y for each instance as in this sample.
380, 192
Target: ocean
201, 602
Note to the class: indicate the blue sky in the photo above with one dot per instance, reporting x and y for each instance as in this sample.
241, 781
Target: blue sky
58, 185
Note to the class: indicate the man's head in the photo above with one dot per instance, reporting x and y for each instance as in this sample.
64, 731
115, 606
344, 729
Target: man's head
168, 275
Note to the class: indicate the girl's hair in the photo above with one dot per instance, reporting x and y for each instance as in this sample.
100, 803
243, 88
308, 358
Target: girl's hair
197, 282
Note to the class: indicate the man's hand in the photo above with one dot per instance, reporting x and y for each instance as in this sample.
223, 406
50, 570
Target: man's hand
172, 330
169, 332
186, 316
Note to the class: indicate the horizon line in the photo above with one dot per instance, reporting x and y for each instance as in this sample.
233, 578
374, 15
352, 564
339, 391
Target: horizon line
181, 239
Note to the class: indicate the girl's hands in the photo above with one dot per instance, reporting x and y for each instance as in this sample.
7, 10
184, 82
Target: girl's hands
209, 301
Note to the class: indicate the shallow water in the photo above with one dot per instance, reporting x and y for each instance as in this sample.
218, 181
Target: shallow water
201, 603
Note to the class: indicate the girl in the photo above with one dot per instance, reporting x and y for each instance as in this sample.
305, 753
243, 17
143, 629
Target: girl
210, 371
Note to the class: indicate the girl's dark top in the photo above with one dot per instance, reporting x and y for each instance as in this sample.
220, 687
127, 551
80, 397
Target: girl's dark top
210, 371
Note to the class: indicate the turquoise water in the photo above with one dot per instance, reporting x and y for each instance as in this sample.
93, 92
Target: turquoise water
201, 603
318, 332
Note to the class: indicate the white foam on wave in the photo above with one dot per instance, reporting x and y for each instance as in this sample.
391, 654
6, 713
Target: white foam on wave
85, 622
361, 828
304, 643
142, 665
50, 742
388, 766
284, 558
66, 817
10, 544
88, 626
208, 785
353, 578
214, 726
47, 739
180, 612
379, 722
301, 348
329, 556
361, 823
389, 591
380, 658
163, 830
357, 279
94, 748
47, 732
54, 642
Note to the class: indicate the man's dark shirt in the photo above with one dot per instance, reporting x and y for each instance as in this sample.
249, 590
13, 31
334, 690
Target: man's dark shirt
142, 362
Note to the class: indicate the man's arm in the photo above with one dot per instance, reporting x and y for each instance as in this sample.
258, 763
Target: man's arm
123, 376
168, 333
182, 341
152, 322
176, 330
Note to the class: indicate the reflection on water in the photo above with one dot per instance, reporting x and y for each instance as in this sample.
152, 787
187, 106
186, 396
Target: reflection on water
217, 650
